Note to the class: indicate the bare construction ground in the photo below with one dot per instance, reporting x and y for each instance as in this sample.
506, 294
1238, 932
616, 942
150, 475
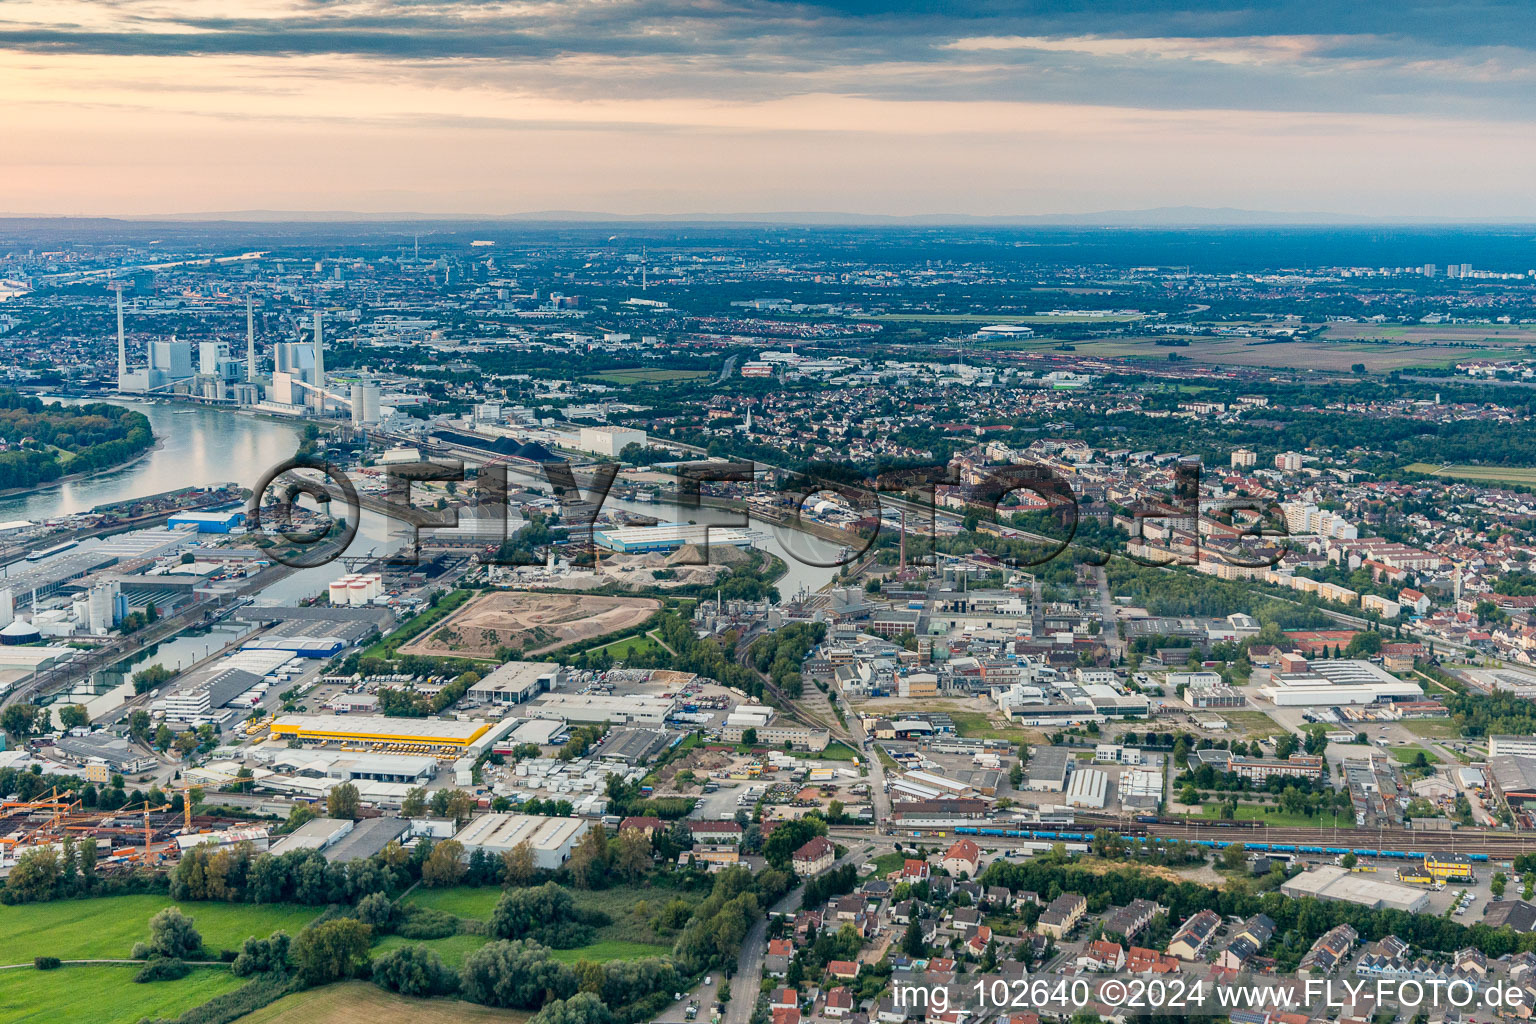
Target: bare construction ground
532, 623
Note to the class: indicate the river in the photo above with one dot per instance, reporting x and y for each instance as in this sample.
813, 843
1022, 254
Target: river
203, 447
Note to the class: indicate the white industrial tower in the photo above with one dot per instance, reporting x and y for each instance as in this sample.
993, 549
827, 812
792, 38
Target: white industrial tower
122, 345
319, 354
250, 340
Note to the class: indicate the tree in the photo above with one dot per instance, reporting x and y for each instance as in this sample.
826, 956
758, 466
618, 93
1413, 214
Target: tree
415, 803
1497, 885
262, 956
164, 737
1364, 644
74, 716
1016, 775
138, 725
912, 942
172, 935
789, 836
582, 1008
34, 875
1348, 861
343, 801
332, 950
1285, 745
519, 975
1234, 856
749, 736
444, 865
298, 816
632, 856
377, 911
518, 866
589, 861
414, 971
23, 720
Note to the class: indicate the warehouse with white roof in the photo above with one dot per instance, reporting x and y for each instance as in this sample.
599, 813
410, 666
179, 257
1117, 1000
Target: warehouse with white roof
551, 839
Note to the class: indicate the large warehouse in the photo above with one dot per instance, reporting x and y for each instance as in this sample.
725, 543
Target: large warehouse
516, 682
1331, 882
1333, 683
631, 540
551, 839
579, 707
445, 734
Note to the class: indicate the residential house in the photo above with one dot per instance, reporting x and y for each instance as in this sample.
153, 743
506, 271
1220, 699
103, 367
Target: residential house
962, 859
1063, 914
780, 953
781, 998
1330, 950
1101, 955
1132, 919
915, 871
1190, 941
843, 970
1141, 960
814, 857
839, 1002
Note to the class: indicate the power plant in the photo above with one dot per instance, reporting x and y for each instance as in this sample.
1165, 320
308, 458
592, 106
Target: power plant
298, 384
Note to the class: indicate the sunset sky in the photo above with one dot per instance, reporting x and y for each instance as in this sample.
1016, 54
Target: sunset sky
144, 107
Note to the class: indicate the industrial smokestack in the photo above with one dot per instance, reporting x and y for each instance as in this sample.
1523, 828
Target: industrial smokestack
122, 345
319, 353
250, 339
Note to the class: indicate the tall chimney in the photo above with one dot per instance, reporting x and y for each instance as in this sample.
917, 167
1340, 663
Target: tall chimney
250, 339
122, 345
319, 354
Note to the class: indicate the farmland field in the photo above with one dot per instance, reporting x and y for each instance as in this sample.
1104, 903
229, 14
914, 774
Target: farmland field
108, 927
357, 1002
1480, 474
101, 994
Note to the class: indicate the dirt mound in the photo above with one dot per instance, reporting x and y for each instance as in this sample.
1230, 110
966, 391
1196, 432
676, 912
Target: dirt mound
719, 554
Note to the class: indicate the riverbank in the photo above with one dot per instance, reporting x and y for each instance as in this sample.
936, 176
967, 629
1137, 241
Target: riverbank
74, 478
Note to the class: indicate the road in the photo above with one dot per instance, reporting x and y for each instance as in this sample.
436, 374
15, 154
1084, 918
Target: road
746, 984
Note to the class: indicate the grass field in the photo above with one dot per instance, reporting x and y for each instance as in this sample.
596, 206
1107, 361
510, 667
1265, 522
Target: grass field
357, 1002
629, 647
618, 903
454, 950
1432, 728
613, 949
108, 927
887, 862
977, 725
1279, 818
1478, 474
643, 375
1407, 755
103, 994
1253, 723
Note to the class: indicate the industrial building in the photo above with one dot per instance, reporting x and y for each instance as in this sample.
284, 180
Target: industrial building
631, 540
1334, 683
1047, 770
315, 834
1331, 882
204, 691
551, 839
541, 732
437, 734
208, 522
109, 752
1513, 779
609, 441
1088, 788
355, 589
516, 682
591, 708
1516, 746
299, 646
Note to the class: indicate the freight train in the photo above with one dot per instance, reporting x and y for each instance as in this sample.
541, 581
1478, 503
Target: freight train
1084, 837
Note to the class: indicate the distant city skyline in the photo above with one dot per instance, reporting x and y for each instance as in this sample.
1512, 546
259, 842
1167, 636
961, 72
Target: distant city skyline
646, 107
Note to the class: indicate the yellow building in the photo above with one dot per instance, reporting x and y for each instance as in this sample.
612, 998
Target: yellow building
1448, 866
378, 730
